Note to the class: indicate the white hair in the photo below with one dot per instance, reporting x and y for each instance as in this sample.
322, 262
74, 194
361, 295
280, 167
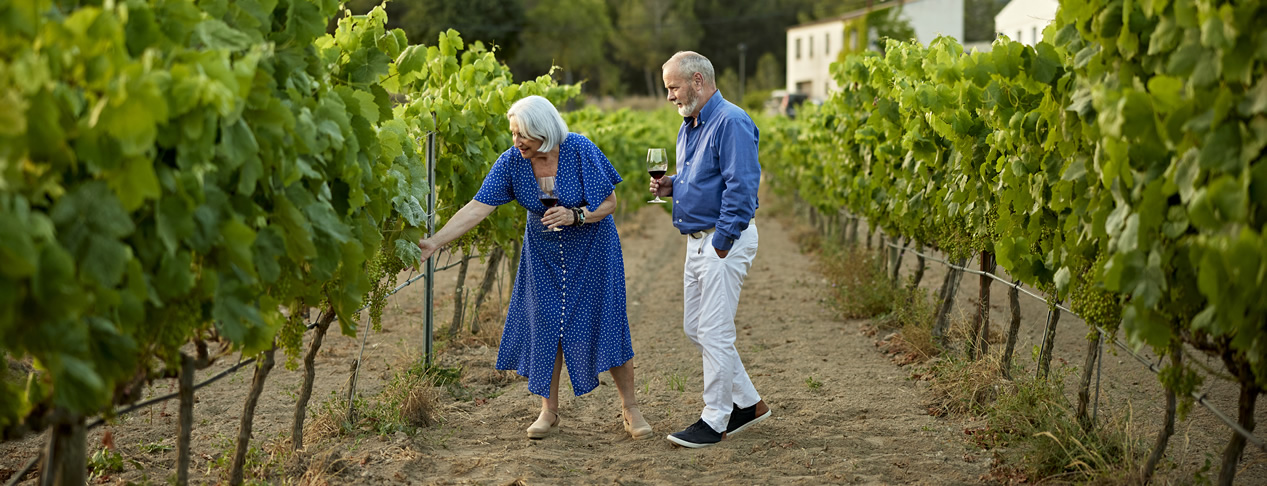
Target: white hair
686, 63
539, 120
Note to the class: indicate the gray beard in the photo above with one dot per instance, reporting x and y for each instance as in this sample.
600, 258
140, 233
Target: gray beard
689, 107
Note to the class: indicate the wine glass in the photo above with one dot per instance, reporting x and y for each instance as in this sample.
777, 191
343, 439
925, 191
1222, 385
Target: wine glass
548, 197
657, 165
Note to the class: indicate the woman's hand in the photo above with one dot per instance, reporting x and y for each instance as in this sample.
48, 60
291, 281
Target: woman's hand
428, 248
558, 216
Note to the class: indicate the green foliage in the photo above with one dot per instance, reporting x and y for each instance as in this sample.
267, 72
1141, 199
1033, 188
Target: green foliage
103, 463
1118, 164
813, 384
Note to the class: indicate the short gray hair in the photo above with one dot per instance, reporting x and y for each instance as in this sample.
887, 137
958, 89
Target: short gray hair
539, 120
687, 63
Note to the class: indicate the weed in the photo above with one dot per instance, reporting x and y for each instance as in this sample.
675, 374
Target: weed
103, 463
964, 387
154, 447
813, 384
408, 402
1032, 426
861, 288
677, 382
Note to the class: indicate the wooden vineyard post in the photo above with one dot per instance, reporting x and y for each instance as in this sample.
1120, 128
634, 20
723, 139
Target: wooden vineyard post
947, 302
1049, 341
1168, 425
186, 420
1084, 383
310, 376
979, 342
1014, 304
853, 230
486, 285
459, 296
919, 266
1245, 411
897, 260
66, 459
248, 415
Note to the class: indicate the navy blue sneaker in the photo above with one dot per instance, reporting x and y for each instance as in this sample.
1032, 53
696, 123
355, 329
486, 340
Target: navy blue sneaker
741, 418
699, 434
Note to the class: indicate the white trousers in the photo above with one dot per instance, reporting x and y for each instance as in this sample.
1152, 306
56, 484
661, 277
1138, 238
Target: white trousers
711, 286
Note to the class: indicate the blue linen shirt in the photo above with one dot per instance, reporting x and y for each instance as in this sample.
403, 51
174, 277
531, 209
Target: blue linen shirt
718, 172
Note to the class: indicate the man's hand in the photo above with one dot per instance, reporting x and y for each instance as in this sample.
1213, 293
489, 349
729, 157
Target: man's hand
665, 190
722, 253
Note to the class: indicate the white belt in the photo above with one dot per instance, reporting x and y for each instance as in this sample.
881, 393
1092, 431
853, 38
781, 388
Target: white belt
700, 234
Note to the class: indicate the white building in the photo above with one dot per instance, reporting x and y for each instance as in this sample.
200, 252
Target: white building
1024, 20
813, 46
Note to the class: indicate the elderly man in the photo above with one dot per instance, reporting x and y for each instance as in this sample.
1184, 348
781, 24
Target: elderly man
714, 200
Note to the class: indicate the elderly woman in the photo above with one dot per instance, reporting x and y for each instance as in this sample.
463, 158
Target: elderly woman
568, 303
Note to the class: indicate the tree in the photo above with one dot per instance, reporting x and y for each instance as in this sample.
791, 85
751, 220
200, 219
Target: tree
978, 19
495, 22
571, 34
759, 24
769, 74
889, 24
650, 31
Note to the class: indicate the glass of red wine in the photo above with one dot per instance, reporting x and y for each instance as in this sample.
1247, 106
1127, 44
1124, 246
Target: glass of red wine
657, 165
548, 197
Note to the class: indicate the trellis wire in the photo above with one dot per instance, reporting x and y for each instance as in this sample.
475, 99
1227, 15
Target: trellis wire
1199, 397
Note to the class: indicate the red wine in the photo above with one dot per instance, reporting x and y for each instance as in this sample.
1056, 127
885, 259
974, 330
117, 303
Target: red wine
549, 202
657, 174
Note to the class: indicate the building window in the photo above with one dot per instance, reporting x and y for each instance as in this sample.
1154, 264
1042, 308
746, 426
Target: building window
853, 40
811, 47
827, 44
1018, 37
798, 49
1035, 35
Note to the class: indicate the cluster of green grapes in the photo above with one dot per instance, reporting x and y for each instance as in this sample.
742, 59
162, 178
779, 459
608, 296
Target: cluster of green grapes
1090, 300
291, 335
384, 270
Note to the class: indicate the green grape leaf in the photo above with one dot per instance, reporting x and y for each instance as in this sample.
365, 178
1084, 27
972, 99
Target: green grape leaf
1220, 151
1144, 326
215, 34
409, 253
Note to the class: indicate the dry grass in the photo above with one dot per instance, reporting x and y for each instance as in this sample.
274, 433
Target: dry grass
418, 407
962, 387
325, 469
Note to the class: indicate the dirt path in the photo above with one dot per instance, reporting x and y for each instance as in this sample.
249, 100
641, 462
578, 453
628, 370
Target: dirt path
863, 424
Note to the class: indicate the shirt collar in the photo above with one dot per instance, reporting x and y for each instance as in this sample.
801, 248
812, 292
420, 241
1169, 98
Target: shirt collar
709, 107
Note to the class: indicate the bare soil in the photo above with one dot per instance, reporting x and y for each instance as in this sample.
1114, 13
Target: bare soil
843, 412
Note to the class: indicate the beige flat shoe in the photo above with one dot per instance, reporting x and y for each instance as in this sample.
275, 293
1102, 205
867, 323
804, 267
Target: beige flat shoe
635, 425
542, 427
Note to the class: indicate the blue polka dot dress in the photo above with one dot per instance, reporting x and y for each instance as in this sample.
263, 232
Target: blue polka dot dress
570, 287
